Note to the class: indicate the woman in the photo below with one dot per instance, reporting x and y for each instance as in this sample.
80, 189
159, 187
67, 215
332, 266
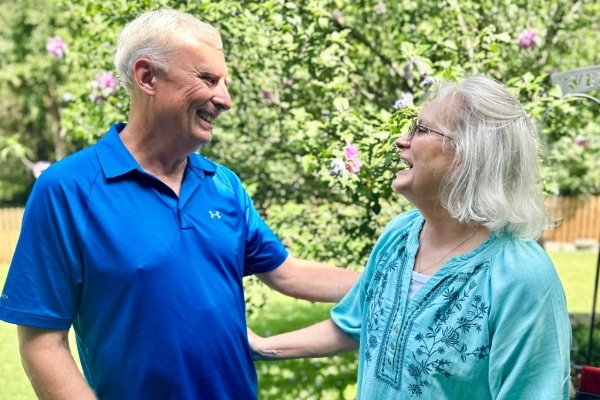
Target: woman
457, 299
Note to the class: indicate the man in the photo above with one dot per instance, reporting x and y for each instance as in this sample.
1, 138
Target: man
141, 244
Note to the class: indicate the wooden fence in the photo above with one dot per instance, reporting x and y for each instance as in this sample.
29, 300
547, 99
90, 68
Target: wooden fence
10, 225
579, 219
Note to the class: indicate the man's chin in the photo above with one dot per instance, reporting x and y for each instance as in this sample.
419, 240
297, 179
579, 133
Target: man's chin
204, 137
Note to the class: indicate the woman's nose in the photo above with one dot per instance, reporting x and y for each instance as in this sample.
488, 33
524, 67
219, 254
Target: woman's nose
402, 142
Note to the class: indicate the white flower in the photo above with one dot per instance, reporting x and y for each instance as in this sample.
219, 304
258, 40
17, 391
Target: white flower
337, 167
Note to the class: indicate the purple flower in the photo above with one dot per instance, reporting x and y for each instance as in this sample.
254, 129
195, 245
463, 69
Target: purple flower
108, 82
337, 16
56, 47
580, 141
527, 39
405, 101
408, 66
266, 95
428, 81
381, 7
39, 167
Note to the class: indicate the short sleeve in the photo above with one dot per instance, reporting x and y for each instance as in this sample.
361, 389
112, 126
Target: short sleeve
263, 250
42, 287
348, 313
530, 327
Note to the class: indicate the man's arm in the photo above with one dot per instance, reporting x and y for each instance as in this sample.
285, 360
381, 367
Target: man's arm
310, 280
50, 366
320, 340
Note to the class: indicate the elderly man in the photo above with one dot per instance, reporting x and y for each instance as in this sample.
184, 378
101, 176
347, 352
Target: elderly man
141, 244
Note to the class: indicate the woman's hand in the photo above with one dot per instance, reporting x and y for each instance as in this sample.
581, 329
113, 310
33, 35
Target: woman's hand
322, 339
254, 341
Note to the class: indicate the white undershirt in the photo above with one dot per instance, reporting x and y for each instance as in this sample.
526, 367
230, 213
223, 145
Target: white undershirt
417, 281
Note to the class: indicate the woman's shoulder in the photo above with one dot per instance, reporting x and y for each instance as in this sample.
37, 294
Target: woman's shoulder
522, 265
520, 254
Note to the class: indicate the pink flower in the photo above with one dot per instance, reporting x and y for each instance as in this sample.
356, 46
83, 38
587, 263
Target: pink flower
108, 82
103, 86
351, 152
381, 7
56, 47
337, 16
39, 167
353, 166
527, 39
352, 163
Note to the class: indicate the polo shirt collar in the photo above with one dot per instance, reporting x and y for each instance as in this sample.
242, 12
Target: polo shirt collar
115, 160
201, 165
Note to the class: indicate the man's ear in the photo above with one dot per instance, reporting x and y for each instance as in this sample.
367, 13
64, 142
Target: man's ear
144, 75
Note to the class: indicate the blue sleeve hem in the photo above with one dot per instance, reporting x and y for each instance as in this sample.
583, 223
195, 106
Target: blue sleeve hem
34, 321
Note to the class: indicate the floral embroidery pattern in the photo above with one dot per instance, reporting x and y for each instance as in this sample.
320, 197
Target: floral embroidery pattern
458, 320
447, 336
376, 311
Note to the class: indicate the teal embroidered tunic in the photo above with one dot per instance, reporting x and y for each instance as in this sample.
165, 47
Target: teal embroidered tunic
490, 324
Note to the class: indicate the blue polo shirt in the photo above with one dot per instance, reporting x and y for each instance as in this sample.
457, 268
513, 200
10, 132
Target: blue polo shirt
151, 282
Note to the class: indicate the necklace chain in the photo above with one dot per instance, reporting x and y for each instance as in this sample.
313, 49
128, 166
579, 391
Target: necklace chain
421, 270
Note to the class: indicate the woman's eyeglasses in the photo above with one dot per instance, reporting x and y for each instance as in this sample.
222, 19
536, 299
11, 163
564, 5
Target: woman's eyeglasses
418, 128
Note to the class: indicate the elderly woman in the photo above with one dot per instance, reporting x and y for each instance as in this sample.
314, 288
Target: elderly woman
457, 299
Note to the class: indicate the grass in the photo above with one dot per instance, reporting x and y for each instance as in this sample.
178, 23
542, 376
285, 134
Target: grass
577, 271
303, 378
13, 382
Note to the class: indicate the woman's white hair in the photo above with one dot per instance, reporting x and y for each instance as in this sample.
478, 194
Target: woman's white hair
495, 180
157, 35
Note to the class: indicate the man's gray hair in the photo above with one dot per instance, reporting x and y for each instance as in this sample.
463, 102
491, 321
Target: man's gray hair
157, 35
495, 180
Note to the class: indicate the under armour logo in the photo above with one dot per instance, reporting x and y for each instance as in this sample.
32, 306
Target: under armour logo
214, 214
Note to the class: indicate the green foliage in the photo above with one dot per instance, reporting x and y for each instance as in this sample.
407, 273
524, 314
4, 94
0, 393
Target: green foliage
580, 349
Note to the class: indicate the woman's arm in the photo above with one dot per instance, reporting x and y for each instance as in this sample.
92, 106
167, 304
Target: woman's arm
320, 340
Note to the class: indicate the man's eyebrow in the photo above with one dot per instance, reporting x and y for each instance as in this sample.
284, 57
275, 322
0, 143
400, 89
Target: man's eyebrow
211, 73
